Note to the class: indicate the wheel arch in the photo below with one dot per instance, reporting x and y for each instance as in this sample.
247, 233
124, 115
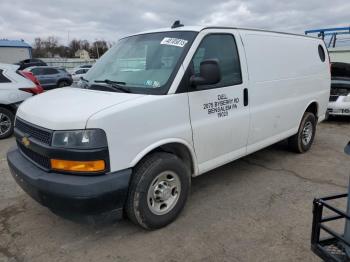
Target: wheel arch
313, 107
179, 147
67, 80
9, 107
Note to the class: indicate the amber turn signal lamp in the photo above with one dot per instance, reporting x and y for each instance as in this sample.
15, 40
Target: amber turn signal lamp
78, 166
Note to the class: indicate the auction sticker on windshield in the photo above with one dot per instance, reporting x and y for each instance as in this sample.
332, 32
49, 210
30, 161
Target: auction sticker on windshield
173, 41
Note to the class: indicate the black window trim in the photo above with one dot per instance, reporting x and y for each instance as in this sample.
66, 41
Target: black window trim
188, 88
3, 78
49, 68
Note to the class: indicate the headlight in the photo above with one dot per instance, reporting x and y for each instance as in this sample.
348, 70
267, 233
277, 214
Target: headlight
80, 139
347, 98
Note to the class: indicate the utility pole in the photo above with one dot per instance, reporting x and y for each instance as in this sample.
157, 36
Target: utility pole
98, 53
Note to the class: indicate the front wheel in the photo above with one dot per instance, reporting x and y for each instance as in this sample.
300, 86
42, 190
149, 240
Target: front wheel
158, 190
6, 123
302, 141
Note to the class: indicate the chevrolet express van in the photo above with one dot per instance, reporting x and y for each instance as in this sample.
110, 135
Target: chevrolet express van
164, 106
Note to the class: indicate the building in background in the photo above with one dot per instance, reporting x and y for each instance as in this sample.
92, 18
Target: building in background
13, 51
340, 54
337, 41
82, 54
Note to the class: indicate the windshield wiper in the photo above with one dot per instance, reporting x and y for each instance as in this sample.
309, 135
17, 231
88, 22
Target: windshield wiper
118, 85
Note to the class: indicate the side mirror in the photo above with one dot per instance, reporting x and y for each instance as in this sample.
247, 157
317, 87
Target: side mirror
209, 73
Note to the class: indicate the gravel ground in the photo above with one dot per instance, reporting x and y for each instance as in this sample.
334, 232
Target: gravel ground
258, 208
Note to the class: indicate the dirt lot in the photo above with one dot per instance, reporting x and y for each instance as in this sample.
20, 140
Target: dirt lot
255, 209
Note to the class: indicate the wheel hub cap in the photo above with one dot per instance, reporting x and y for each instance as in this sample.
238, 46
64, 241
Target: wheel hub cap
164, 193
307, 133
5, 124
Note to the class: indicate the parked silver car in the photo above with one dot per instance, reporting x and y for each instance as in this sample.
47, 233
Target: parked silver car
51, 77
77, 73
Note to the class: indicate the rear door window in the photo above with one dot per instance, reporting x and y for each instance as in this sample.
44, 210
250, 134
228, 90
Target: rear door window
37, 71
81, 71
50, 71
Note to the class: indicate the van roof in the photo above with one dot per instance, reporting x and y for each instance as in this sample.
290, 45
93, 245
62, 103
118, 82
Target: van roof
200, 28
13, 43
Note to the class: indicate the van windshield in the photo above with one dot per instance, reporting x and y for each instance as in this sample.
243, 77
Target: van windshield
144, 63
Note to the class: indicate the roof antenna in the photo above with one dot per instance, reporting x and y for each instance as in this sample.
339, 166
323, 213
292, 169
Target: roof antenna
176, 24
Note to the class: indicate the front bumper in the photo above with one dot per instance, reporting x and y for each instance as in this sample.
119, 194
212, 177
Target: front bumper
339, 107
338, 111
70, 194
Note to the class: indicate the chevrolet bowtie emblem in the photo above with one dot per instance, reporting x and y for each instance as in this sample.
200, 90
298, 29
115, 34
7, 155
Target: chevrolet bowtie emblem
25, 141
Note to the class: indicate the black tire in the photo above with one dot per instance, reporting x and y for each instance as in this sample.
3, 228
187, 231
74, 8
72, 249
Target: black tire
62, 84
296, 142
137, 206
6, 115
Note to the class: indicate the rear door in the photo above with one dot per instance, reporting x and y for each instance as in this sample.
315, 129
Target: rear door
220, 113
38, 72
51, 76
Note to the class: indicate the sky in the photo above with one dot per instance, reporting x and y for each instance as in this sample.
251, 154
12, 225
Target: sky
112, 19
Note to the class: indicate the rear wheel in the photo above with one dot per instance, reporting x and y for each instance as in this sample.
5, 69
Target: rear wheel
6, 123
62, 84
158, 190
302, 141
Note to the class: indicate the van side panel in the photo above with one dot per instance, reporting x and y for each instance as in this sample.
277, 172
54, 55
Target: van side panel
286, 74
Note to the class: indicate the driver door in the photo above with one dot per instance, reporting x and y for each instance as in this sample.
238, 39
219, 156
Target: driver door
220, 113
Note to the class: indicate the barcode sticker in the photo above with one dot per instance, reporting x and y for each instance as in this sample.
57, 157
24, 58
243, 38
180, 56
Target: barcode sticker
174, 42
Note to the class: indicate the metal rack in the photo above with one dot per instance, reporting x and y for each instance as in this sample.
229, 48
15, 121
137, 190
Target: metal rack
332, 248
332, 32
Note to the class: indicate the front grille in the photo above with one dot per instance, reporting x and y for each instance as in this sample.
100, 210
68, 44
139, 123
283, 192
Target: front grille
333, 98
40, 134
35, 157
339, 91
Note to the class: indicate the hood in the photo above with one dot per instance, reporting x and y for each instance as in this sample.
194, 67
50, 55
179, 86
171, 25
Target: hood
11, 67
68, 108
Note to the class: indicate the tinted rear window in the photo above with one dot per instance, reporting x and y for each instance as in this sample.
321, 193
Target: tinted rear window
36, 71
62, 70
340, 70
3, 79
50, 71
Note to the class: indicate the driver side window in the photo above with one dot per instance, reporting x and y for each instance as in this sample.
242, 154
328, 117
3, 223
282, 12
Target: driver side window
223, 48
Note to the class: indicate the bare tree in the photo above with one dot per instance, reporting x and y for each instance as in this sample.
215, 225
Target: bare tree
50, 47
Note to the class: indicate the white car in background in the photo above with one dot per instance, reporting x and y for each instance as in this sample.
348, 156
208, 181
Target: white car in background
77, 73
14, 89
339, 100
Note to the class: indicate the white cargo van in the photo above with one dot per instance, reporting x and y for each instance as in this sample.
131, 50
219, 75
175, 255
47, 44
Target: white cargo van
161, 107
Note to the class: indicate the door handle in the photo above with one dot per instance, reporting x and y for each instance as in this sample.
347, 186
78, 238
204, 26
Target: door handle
245, 97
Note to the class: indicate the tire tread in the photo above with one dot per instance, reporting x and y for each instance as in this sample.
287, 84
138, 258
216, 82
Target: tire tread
132, 203
294, 142
12, 118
